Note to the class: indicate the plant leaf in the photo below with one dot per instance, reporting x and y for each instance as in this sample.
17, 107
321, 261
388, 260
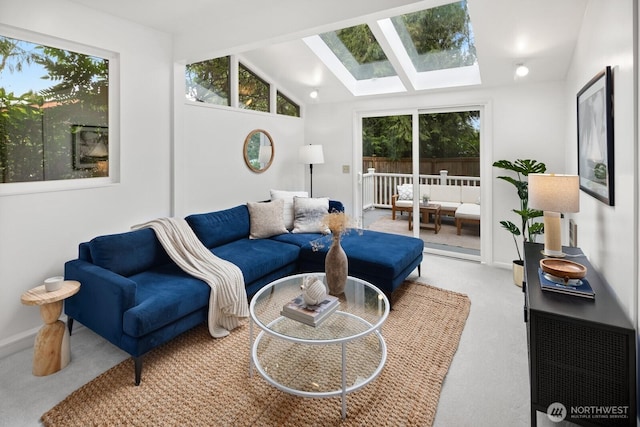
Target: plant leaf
510, 227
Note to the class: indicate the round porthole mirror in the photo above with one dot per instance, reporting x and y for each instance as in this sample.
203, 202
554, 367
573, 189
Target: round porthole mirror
258, 150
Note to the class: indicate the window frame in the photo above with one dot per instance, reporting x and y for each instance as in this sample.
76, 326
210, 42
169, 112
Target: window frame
19, 188
242, 106
229, 82
235, 62
279, 94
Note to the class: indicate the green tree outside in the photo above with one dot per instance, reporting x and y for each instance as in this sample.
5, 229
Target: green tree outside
454, 134
35, 128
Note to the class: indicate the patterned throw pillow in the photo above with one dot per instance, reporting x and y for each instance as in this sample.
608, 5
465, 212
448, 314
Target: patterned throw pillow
266, 219
308, 214
287, 196
405, 192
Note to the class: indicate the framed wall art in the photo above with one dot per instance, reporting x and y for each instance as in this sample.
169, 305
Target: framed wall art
595, 137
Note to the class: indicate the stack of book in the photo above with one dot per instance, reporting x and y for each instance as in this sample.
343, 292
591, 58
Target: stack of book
311, 315
579, 288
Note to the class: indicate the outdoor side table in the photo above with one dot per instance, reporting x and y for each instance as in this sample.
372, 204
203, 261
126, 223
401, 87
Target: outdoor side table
427, 211
51, 351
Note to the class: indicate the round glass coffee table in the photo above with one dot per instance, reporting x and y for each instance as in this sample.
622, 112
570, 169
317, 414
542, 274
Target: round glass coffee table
345, 352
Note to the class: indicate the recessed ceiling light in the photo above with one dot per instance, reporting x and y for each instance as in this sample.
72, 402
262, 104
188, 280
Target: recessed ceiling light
521, 70
313, 94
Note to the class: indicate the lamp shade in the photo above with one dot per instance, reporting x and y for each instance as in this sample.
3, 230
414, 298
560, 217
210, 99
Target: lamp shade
311, 154
554, 192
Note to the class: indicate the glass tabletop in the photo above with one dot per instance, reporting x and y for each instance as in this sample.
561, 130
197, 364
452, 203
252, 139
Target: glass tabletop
363, 308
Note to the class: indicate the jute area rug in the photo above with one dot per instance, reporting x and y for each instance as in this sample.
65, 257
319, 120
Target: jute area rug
200, 381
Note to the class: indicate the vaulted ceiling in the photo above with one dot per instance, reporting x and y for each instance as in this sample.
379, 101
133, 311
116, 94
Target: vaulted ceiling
539, 33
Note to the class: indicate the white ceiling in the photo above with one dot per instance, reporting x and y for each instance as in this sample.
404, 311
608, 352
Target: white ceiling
267, 35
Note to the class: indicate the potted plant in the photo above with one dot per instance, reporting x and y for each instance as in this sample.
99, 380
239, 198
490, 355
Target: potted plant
528, 228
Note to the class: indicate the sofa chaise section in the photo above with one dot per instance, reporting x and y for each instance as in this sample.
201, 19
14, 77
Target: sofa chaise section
383, 259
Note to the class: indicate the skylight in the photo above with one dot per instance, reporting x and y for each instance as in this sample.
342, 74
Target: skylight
436, 47
428, 49
364, 58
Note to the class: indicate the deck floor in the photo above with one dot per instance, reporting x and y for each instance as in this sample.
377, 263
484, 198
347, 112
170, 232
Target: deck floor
468, 242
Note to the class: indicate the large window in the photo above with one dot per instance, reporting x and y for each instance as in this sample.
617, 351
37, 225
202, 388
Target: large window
208, 81
54, 113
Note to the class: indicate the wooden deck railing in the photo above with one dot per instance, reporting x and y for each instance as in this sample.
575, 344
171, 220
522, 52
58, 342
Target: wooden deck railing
379, 188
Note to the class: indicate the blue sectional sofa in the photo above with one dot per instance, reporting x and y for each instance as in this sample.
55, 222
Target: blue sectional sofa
136, 297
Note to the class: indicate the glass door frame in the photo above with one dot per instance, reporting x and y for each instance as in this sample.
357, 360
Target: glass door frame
486, 169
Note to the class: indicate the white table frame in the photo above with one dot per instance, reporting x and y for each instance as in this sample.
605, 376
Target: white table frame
266, 329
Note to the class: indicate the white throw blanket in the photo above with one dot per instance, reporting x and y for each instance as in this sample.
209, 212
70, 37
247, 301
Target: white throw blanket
228, 298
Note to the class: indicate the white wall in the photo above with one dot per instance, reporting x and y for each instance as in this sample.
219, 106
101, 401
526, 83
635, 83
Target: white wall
606, 233
40, 231
525, 121
212, 174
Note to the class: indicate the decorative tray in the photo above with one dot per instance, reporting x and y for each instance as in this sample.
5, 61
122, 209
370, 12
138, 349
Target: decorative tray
563, 269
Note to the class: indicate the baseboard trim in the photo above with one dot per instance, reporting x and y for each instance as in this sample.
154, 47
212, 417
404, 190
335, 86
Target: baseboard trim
25, 340
18, 342
452, 254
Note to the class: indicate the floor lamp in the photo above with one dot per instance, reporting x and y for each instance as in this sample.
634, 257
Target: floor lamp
311, 155
554, 194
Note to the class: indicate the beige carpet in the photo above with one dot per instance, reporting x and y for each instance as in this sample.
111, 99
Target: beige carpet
200, 381
469, 236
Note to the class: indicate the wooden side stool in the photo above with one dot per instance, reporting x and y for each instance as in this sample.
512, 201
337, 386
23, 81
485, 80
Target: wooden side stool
51, 351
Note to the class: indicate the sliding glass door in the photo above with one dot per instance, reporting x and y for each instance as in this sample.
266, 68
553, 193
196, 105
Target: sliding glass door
421, 177
387, 165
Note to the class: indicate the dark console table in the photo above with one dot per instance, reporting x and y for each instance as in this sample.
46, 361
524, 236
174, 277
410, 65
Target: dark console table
582, 353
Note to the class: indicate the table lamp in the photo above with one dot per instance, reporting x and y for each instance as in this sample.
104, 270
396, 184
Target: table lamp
554, 194
311, 155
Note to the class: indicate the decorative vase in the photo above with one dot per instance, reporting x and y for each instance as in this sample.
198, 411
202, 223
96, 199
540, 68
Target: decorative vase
336, 267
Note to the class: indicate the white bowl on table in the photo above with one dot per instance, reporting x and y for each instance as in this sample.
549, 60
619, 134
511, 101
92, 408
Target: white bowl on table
53, 283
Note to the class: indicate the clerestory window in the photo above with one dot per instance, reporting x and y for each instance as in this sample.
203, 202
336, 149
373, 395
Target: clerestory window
253, 92
287, 107
209, 81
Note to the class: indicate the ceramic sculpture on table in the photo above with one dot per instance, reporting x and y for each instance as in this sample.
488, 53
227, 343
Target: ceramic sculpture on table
314, 290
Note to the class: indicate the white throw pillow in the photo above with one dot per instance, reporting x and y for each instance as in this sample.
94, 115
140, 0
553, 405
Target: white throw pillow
266, 219
287, 196
308, 214
405, 192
